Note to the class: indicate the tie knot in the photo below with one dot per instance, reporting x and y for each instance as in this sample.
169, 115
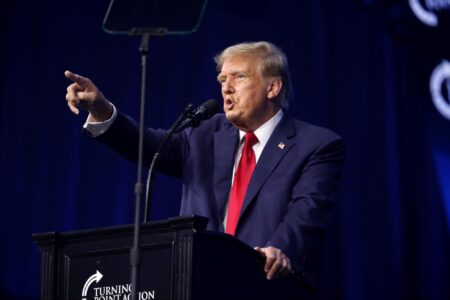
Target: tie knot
250, 138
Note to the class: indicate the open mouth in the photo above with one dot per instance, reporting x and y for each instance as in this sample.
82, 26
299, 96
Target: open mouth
228, 104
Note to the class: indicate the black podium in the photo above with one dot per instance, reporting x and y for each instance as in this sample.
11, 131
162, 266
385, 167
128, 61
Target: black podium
180, 260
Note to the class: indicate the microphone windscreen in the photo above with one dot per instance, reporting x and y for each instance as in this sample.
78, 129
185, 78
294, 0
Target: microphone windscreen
211, 107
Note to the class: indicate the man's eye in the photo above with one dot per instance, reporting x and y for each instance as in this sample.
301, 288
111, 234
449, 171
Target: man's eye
240, 76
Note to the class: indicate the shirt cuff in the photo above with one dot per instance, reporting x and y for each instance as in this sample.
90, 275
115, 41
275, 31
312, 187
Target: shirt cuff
97, 128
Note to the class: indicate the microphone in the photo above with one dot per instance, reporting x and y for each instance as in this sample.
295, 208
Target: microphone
203, 112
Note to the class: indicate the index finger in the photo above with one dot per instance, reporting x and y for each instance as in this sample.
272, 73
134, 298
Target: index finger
80, 80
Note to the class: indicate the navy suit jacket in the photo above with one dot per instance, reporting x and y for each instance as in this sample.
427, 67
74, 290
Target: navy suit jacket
290, 197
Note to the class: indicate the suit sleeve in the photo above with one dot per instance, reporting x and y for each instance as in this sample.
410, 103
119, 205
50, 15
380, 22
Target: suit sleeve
123, 137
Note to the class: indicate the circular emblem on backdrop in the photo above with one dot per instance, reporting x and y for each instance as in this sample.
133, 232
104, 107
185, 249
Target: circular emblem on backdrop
439, 82
422, 14
427, 15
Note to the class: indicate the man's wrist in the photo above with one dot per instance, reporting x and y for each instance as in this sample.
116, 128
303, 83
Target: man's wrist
101, 111
98, 128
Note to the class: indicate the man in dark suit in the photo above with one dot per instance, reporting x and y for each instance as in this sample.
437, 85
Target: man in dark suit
254, 171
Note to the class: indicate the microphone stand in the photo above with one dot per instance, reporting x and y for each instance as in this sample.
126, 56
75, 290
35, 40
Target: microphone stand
188, 112
145, 34
135, 251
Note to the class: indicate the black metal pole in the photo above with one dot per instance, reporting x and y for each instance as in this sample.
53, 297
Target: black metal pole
134, 253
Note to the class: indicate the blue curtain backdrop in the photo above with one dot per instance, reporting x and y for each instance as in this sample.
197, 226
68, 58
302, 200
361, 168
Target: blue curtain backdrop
360, 68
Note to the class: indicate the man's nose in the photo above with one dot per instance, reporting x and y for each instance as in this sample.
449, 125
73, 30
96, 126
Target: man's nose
227, 86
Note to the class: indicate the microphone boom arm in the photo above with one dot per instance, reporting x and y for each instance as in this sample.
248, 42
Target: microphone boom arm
149, 185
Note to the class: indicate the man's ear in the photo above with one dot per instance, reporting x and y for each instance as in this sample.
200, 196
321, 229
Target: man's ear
274, 88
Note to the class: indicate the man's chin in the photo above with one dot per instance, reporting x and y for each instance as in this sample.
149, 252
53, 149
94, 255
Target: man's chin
232, 117
236, 120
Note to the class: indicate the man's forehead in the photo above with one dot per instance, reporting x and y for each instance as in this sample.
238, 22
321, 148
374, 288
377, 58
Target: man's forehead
239, 63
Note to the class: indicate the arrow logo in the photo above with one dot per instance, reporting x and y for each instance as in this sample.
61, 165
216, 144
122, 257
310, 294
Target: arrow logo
96, 277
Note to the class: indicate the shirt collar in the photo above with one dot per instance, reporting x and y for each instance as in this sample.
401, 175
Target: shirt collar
264, 131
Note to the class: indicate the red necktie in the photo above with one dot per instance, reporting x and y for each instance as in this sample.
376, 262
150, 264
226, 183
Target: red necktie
241, 179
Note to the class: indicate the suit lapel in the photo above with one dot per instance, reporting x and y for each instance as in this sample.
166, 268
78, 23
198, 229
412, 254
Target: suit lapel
225, 143
276, 148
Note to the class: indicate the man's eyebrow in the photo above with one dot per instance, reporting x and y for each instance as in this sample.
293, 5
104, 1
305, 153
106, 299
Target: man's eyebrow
234, 73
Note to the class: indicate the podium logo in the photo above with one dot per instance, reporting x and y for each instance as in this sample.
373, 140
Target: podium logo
440, 79
427, 16
96, 277
114, 292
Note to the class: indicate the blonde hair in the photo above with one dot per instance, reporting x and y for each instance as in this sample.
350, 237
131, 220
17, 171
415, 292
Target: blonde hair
273, 63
